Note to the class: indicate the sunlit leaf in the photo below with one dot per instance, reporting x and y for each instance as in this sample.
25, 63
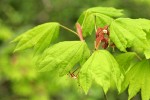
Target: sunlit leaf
126, 60
101, 67
144, 23
101, 15
87, 23
138, 79
39, 37
63, 56
124, 32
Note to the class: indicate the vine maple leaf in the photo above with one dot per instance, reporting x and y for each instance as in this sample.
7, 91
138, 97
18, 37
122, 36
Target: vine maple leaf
125, 33
137, 78
101, 15
103, 68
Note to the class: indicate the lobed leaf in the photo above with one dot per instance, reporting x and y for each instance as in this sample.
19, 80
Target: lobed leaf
138, 79
102, 15
109, 11
126, 60
144, 23
103, 68
87, 23
125, 32
63, 56
39, 37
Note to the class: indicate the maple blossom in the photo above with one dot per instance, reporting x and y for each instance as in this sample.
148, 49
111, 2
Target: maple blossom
102, 36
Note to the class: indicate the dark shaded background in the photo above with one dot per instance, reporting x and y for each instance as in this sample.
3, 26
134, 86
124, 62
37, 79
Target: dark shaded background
18, 80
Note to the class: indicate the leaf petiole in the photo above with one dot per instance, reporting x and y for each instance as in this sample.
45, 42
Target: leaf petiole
69, 29
95, 24
138, 57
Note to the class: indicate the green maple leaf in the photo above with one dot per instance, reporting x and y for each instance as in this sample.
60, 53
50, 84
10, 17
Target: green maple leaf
126, 61
138, 79
63, 56
39, 37
125, 32
144, 23
101, 67
102, 15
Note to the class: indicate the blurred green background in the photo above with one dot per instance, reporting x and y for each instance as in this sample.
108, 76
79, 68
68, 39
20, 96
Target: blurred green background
18, 79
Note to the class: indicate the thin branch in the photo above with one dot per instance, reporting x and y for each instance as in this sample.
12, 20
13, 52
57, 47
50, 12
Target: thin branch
69, 29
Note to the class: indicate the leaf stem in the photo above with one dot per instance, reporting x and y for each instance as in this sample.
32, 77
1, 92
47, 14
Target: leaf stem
69, 29
95, 23
138, 57
75, 70
105, 97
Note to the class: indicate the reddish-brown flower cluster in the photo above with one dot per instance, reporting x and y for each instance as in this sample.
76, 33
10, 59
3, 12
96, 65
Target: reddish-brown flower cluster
102, 36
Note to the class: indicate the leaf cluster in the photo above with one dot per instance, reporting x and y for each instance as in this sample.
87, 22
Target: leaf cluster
127, 68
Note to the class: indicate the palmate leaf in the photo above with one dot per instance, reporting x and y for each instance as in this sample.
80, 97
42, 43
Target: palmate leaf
138, 79
63, 56
144, 23
101, 67
126, 61
125, 32
102, 15
39, 37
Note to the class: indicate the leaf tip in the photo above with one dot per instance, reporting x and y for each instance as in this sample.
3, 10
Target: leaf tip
86, 91
16, 50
